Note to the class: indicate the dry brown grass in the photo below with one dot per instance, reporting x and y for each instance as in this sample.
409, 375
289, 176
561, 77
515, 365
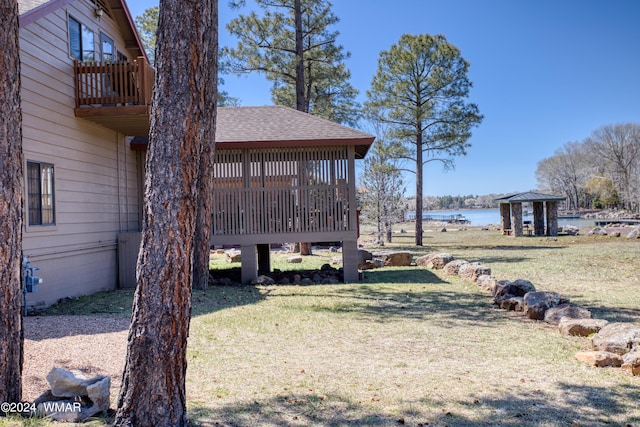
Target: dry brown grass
409, 346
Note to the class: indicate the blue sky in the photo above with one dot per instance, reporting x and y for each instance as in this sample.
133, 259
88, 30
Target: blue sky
545, 72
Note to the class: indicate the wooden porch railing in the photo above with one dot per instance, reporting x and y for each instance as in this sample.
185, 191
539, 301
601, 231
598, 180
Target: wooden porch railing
125, 83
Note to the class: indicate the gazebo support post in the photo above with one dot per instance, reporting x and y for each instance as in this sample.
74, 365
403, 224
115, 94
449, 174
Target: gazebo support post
538, 218
264, 258
249, 270
350, 261
516, 212
505, 217
552, 218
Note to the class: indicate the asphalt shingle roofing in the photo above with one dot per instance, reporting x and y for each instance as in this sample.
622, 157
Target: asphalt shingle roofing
280, 126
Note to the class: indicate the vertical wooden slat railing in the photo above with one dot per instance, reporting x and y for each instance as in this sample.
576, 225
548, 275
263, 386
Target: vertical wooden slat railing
120, 83
281, 191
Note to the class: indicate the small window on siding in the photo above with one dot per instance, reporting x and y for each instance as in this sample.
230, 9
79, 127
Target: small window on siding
81, 41
108, 48
40, 193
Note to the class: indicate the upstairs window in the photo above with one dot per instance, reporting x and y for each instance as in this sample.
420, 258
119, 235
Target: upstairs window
81, 41
40, 193
108, 48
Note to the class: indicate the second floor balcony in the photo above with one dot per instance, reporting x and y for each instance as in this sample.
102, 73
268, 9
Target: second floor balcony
115, 95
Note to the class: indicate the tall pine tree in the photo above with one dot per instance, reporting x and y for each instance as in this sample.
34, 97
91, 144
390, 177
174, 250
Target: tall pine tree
11, 184
293, 46
181, 136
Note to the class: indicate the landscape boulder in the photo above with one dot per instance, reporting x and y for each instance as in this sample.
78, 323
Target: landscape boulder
570, 311
434, 261
471, 271
571, 230
73, 397
394, 258
234, 255
505, 289
453, 268
537, 303
263, 280
597, 231
580, 327
294, 259
363, 256
634, 233
631, 362
619, 338
511, 303
370, 264
487, 283
599, 359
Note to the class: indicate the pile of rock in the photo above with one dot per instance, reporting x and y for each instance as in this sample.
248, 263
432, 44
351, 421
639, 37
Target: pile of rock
614, 344
370, 260
616, 230
73, 397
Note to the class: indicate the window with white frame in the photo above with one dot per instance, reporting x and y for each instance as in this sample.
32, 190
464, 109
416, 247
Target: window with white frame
40, 195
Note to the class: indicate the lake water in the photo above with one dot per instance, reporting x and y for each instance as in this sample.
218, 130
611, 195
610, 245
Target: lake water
482, 217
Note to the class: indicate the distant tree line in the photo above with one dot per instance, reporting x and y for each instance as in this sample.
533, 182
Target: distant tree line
600, 172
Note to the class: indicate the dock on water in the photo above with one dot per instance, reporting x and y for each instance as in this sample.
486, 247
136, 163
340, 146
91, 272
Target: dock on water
605, 222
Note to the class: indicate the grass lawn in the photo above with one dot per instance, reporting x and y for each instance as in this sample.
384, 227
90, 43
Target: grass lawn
409, 346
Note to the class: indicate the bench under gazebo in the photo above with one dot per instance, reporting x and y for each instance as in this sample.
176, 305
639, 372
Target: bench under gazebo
543, 205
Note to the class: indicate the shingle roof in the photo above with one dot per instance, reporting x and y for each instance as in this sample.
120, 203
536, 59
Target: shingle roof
280, 126
277, 126
27, 5
530, 196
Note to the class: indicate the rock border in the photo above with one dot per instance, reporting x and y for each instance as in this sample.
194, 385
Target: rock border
613, 344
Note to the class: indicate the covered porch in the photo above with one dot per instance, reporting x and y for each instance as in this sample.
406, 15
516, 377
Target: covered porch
544, 206
283, 176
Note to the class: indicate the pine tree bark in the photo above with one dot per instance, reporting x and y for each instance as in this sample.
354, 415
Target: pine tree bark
11, 184
419, 184
153, 387
205, 174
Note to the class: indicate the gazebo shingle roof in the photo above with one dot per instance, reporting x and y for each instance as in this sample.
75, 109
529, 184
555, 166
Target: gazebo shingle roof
280, 126
530, 196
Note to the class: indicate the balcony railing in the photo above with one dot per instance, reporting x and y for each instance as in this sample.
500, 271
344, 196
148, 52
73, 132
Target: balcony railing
120, 83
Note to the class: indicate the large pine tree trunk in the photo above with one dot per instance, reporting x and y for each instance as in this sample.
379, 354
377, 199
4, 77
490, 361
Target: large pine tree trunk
153, 386
205, 175
11, 184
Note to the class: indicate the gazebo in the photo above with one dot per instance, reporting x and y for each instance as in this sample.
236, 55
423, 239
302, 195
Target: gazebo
281, 175
543, 204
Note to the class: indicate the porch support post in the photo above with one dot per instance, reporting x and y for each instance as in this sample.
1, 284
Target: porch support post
552, 218
249, 270
538, 219
505, 217
350, 261
264, 259
516, 211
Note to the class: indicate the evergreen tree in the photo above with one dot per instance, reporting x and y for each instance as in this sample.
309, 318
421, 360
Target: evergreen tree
181, 137
11, 201
292, 45
419, 90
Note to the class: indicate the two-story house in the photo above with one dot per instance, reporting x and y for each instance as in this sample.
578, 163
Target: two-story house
280, 175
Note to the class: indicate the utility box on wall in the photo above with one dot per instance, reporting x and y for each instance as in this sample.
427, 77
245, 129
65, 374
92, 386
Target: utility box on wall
128, 247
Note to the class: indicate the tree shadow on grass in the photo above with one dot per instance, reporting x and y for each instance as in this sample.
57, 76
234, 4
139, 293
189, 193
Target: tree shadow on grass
578, 405
310, 409
422, 295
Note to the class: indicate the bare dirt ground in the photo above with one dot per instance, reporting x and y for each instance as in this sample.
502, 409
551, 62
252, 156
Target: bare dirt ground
94, 345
